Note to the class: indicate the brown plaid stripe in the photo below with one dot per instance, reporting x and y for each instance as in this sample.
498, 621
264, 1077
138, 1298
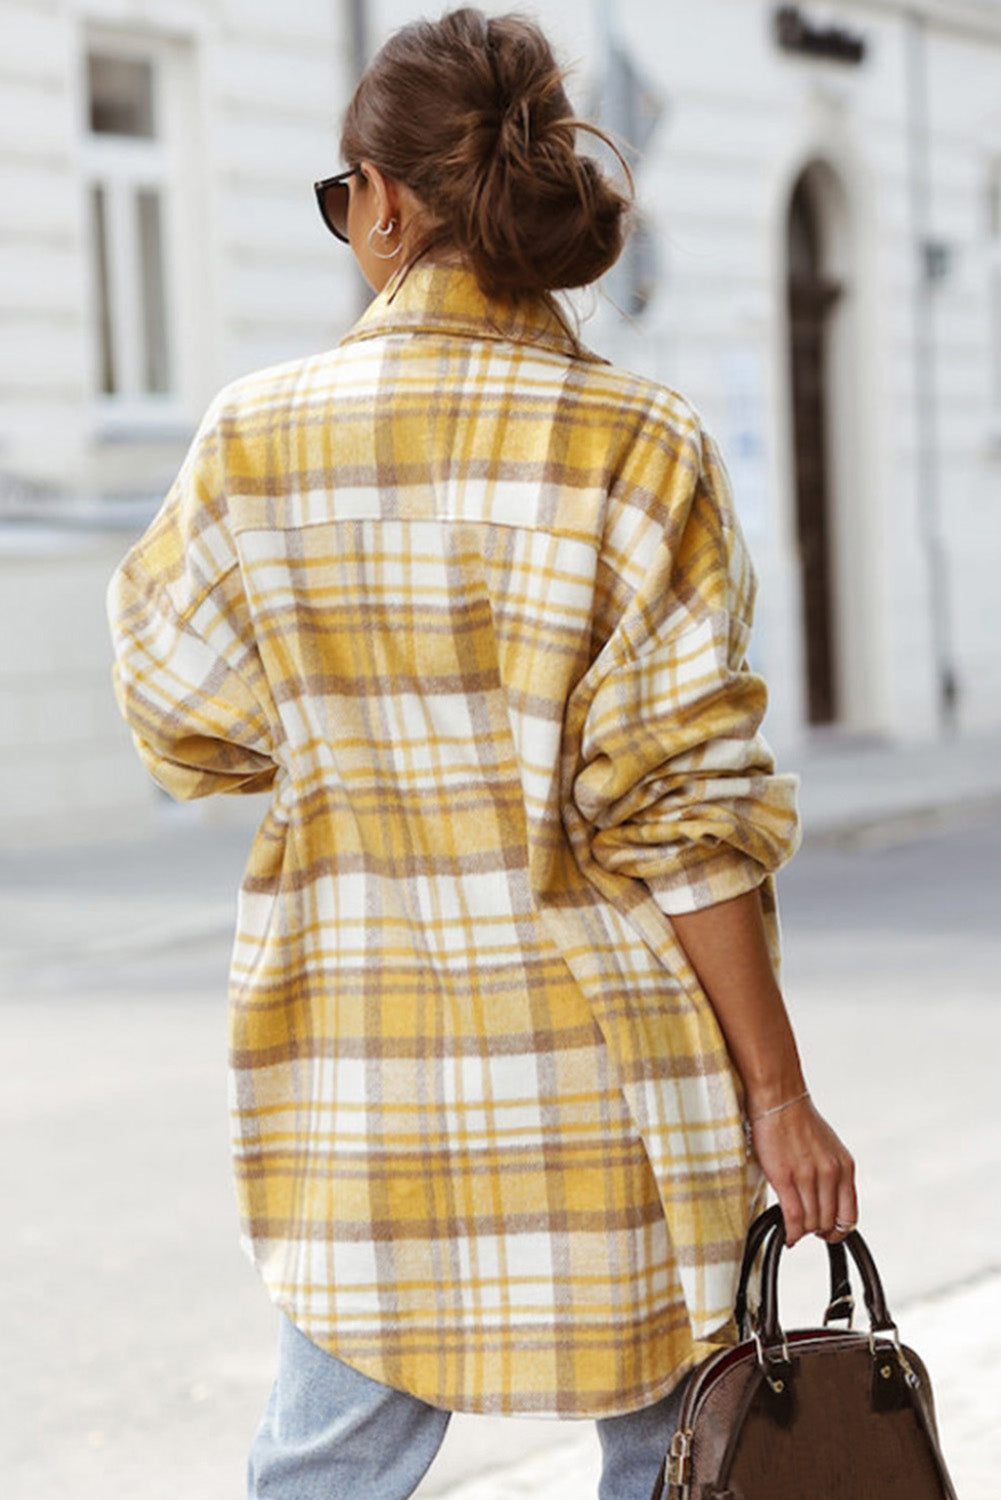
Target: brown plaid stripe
475, 611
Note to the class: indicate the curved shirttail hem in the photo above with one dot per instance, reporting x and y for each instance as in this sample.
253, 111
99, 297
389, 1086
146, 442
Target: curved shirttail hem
647, 1396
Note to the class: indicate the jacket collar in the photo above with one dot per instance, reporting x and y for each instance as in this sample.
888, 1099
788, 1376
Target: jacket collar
435, 298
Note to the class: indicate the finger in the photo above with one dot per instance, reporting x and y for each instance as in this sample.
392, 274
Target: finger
828, 1189
847, 1208
793, 1212
807, 1186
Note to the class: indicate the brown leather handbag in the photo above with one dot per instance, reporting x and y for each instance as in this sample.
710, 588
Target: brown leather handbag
815, 1414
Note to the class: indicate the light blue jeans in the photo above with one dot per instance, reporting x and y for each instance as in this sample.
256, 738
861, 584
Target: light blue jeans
331, 1433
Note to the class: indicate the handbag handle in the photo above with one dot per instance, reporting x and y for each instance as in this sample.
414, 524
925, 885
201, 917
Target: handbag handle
841, 1304
772, 1337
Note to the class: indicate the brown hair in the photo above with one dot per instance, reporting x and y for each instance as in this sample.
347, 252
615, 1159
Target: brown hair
471, 114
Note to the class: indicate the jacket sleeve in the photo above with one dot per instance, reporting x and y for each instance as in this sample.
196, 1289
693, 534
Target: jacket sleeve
187, 675
675, 785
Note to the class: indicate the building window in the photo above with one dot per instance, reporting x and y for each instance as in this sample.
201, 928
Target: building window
120, 96
128, 170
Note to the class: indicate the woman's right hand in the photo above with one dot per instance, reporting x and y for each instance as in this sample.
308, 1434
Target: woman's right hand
809, 1168
799, 1153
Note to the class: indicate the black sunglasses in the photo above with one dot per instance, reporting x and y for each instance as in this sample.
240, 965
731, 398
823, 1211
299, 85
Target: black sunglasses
333, 197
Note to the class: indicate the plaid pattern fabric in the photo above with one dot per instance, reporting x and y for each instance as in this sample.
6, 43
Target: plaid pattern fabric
474, 608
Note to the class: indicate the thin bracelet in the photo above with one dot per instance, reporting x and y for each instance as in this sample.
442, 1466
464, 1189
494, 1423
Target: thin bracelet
778, 1108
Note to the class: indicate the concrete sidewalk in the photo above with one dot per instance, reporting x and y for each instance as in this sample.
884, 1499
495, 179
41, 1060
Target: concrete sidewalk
77, 910
176, 883
851, 786
939, 1330
853, 793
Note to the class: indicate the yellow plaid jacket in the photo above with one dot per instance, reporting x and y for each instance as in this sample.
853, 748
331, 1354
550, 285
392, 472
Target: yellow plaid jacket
473, 607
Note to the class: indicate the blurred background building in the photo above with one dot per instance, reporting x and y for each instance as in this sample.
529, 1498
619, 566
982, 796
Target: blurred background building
817, 266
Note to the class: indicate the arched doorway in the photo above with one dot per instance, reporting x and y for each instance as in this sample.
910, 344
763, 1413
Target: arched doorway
812, 296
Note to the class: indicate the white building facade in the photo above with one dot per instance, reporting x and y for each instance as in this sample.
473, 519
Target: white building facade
821, 188
158, 236
825, 192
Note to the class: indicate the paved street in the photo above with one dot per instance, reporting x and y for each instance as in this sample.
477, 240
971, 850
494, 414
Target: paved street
139, 1341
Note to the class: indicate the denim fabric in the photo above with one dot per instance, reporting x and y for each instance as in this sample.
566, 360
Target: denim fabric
633, 1447
331, 1433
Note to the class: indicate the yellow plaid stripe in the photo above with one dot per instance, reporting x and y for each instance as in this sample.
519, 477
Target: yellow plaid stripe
475, 610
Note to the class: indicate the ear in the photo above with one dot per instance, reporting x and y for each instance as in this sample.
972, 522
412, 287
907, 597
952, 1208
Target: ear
386, 190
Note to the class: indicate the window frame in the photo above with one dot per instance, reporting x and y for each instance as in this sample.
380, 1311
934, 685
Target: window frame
123, 167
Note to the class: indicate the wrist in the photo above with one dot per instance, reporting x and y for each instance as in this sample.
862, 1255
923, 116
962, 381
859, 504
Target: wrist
778, 1109
767, 1093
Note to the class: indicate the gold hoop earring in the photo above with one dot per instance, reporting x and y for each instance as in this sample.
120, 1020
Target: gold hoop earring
384, 233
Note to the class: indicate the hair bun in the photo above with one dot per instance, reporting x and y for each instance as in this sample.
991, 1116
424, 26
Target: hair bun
472, 115
515, 133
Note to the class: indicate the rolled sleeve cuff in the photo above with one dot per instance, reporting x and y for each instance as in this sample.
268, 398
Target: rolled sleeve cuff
705, 879
719, 840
